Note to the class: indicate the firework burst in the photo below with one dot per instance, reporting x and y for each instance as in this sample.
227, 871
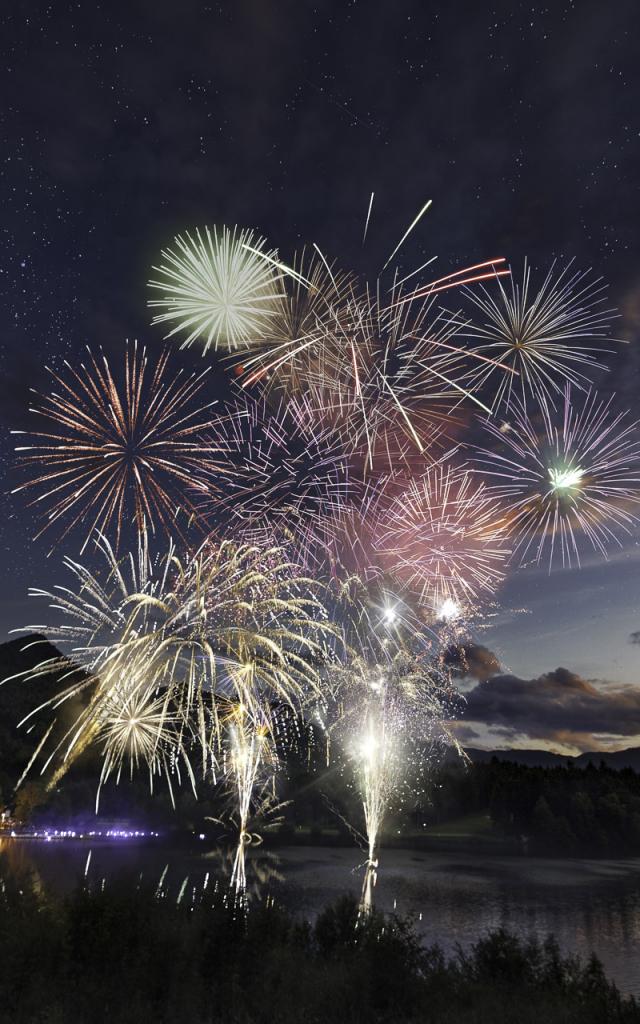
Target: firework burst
156, 645
392, 378
285, 475
566, 477
550, 337
111, 455
219, 288
443, 539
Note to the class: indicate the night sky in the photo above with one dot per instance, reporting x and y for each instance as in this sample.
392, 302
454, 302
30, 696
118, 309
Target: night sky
125, 123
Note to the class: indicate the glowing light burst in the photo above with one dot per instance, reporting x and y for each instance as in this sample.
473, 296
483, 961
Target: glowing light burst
218, 287
112, 454
550, 336
567, 477
443, 539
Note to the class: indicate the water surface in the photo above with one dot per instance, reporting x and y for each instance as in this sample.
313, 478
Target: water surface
589, 905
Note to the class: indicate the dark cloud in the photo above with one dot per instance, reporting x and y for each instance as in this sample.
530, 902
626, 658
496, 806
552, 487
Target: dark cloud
558, 706
472, 660
635, 637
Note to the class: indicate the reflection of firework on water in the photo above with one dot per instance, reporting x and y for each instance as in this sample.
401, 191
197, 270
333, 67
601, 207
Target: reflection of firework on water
442, 538
217, 288
568, 474
283, 474
548, 336
262, 869
113, 454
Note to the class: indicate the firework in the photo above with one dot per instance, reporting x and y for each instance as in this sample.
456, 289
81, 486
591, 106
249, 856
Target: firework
306, 313
549, 337
568, 477
109, 455
389, 376
392, 378
284, 475
250, 762
391, 711
218, 288
159, 646
124, 664
443, 539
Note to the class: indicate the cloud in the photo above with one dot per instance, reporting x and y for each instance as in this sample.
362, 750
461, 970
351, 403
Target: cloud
558, 707
635, 637
472, 660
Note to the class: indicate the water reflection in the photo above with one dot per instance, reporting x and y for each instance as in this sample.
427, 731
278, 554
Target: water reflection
589, 905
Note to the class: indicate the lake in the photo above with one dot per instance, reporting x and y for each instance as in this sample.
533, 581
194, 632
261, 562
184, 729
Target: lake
589, 905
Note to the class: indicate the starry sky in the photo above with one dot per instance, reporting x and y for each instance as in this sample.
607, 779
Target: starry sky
124, 123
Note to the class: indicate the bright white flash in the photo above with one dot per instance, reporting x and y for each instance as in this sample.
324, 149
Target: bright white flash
390, 616
449, 610
564, 479
368, 748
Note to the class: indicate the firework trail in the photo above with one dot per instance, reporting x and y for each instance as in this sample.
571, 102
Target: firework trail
110, 455
218, 288
549, 337
566, 477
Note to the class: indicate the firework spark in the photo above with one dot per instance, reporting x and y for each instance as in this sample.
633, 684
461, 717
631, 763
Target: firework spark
117, 455
218, 288
550, 336
387, 369
391, 711
284, 474
160, 645
443, 539
567, 477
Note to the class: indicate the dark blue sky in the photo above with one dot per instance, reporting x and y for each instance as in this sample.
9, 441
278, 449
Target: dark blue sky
122, 123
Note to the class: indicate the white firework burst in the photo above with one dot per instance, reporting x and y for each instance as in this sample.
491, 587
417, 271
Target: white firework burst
218, 287
566, 476
549, 337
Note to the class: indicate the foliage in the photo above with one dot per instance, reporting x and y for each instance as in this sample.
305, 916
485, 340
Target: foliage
126, 956
554, 810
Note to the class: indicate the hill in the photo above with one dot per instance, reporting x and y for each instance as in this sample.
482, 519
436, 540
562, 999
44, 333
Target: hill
618, 759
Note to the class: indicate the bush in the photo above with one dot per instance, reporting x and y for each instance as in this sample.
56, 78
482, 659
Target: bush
126, 955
